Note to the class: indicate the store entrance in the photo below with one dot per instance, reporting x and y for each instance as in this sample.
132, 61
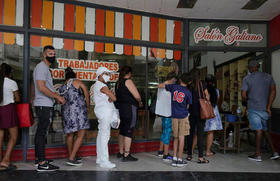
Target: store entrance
229, 69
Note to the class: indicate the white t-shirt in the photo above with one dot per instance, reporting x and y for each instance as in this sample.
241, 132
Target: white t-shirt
101, 99
9, 87
163, 104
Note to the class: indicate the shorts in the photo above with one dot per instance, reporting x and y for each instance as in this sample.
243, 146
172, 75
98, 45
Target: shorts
166, 130
128, 117
258, 119
180, 127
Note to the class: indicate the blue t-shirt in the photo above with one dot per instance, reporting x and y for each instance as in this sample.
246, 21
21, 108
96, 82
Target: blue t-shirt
180, 98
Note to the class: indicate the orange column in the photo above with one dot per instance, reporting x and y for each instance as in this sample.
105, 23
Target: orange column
128, 32
1, 18
161, 36
177, 38
80, 27
99, 24
136, 34
36, 18
9, 19
110, 30
154, 34
47, 21
69, 15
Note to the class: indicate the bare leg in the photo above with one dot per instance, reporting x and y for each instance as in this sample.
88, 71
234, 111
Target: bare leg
268, 138
181, 146
77, 144
161, 146
69, 142
12, 141
166, 148
175, 147
194, 142
127, 144
258, 142
209, 142
1, 142
121, 144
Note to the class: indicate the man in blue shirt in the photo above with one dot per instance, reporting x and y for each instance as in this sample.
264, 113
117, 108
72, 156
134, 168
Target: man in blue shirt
259, 90
181, 98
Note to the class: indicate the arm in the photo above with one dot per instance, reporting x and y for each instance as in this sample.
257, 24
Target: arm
16, 96
133, 90
43, 88
272, 96
244, 95
105, 90
206, 94
85, 91
162, 85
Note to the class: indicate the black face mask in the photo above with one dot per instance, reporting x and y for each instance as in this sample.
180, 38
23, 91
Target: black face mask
50, 59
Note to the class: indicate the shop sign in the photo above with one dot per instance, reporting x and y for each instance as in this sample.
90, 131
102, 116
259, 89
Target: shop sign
85, 69
231, 35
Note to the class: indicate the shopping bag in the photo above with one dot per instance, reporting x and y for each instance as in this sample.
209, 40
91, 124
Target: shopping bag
24, 115
115, 123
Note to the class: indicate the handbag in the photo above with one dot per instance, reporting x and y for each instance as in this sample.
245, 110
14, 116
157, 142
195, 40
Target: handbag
206, 109
25, 115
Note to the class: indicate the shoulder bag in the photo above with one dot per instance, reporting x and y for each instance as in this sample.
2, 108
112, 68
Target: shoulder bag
206, 109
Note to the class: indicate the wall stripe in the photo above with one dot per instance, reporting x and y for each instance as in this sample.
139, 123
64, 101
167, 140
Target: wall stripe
80, 26
58, 22
136, 34
99, 26
145, 32
1, 18
128, 32
90, 28
9, 19
19, 21
169, 37
177, 38
47, 21
36, 18
69, 25
110, 30
154, 34
119, 31
161, 36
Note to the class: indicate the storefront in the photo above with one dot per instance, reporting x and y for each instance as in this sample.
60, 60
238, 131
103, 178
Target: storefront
87, 36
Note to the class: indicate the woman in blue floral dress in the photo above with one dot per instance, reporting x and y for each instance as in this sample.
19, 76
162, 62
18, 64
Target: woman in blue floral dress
213, 124
74, 114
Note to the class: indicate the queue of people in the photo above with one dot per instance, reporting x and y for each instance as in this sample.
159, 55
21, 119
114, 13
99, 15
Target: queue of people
177, 104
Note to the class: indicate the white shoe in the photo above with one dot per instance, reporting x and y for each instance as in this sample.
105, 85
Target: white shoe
107, 165
97, 161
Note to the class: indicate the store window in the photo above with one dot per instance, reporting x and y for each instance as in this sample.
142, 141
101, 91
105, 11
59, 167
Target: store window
85, 58
160, 63
225, 34
11, 53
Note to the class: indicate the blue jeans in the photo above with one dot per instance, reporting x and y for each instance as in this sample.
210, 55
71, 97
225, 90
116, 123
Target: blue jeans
258, 119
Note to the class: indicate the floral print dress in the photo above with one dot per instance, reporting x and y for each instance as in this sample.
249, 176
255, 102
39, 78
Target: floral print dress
74, 111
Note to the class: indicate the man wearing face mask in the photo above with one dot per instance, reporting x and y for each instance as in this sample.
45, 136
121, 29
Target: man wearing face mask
43, 102
104, 111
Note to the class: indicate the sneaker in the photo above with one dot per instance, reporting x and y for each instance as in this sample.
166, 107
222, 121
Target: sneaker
174, 162
167, 158
274, 156
254, 157
79, 159
36, 162
160, 154
47, 167
107, 164
119, 155
73, 162
129, 158
181, 163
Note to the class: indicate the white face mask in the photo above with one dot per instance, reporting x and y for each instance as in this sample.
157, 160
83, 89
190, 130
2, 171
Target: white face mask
106, 78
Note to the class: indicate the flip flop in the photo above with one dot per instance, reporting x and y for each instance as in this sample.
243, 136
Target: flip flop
189, 157
204, 161
8, 168
211, 154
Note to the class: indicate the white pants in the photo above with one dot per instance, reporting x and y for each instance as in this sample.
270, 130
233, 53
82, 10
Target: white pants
104, 116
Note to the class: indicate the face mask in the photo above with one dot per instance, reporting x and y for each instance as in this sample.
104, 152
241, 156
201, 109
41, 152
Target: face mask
106, 78
50, 59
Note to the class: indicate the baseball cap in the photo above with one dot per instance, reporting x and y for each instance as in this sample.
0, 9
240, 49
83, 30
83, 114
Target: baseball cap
253, 63
101, 70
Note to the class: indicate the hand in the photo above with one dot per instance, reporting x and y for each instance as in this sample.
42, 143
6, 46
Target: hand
60, 100
140, 104
269, 112
110, 100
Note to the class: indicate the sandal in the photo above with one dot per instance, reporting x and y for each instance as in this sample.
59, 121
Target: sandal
7, 168
203, 161
189, 157
211, 154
